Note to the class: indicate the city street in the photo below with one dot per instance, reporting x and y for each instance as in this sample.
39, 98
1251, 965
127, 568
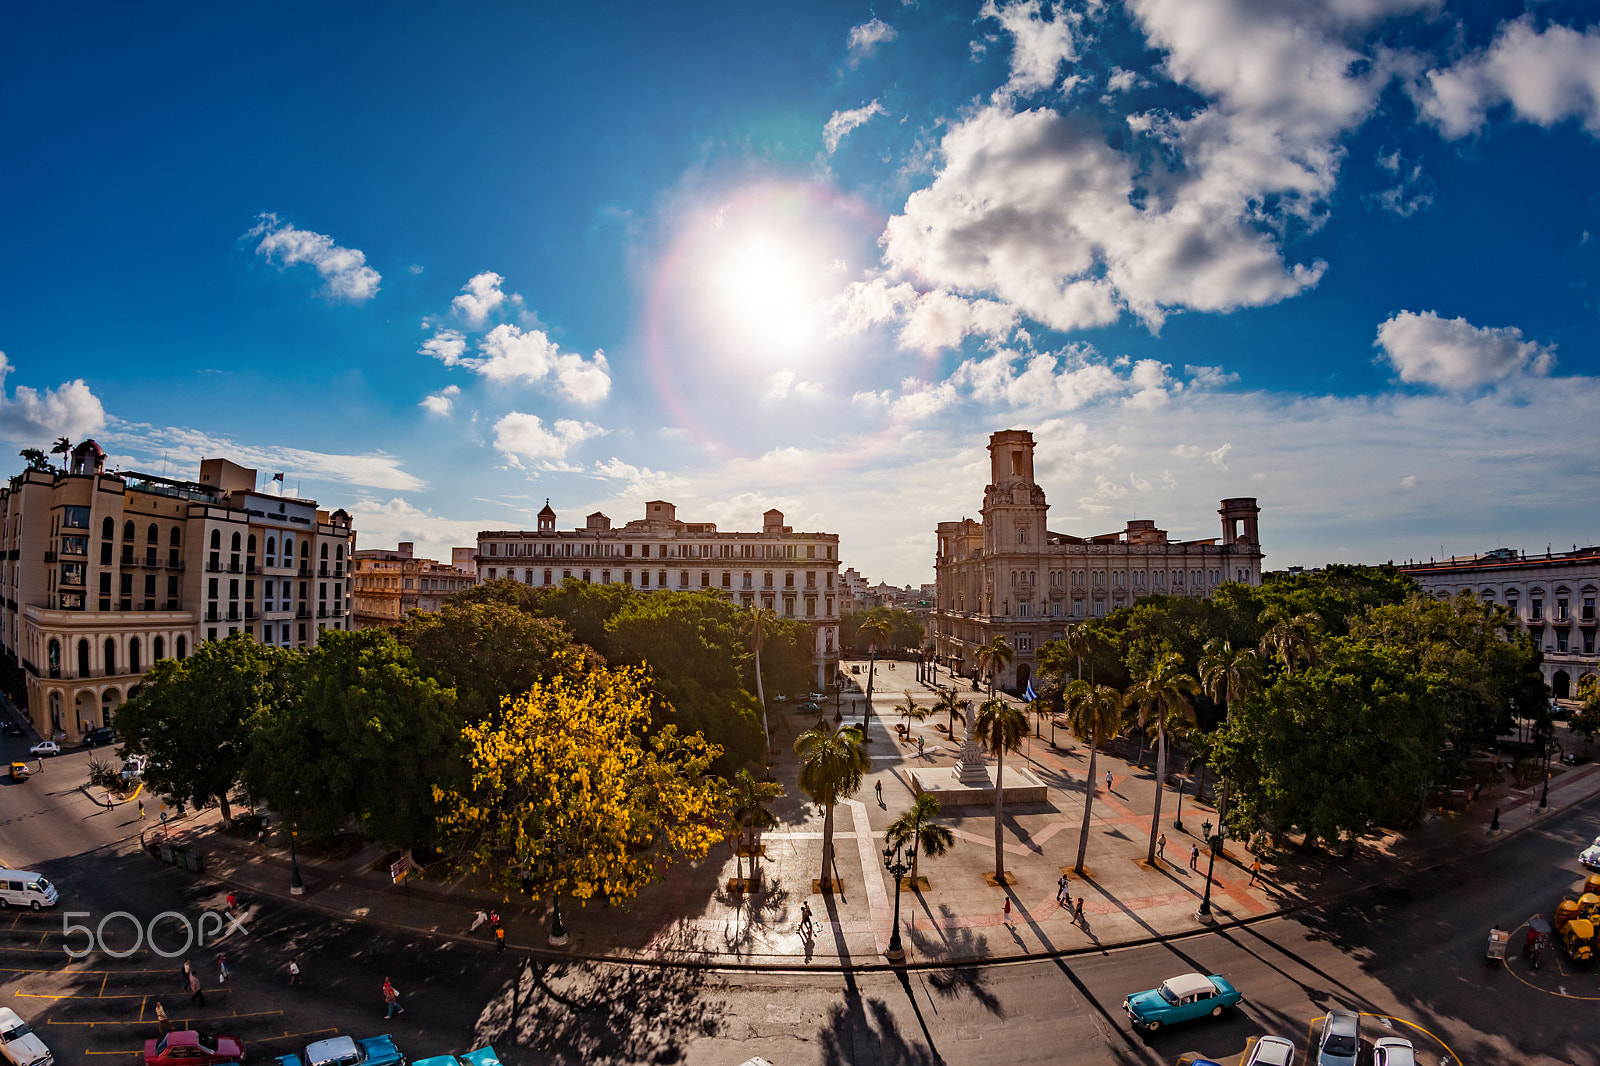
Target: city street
1411, 953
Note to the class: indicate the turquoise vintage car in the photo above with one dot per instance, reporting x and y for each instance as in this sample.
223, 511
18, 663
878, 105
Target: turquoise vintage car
343, 1051
1180, 999
484, 1056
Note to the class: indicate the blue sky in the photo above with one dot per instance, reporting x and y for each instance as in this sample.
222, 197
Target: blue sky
440, 264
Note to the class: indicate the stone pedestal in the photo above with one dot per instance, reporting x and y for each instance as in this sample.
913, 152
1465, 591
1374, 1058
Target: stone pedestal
946, 785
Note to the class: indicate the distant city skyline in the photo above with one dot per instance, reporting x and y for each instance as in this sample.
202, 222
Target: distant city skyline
439, 265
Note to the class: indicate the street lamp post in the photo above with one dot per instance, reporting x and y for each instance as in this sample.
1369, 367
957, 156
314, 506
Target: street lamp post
297, 887
894, 860
1214, 842
1544, 798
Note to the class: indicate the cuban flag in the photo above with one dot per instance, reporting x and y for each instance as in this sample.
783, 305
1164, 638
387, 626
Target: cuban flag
1029, 696
277, 477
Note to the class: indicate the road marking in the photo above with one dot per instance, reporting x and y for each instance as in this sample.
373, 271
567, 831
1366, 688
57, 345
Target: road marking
1414, 1025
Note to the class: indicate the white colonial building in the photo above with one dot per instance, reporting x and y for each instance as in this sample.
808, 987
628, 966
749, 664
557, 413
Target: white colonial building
795, 574
1009, 575
1552, 595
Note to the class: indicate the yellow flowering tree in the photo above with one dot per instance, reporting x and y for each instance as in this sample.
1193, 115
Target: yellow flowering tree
566, 787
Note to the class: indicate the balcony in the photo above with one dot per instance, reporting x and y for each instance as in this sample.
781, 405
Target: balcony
211, 615
249, 612
304, 612
213, 567
175, 564
49, 557
152, 562
250, 567
305, 569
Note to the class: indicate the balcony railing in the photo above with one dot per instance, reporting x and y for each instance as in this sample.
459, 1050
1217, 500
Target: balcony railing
175, 564
49, 557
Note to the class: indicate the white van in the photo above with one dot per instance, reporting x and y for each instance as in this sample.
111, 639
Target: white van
18, 888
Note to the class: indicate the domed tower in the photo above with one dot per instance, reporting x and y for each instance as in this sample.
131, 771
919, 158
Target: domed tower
547, 518
1013, 505
88, 458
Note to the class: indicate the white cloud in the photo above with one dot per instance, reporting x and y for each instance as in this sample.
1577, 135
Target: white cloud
640, 479
443, 401
842, 122
344, 271
523, 436
864, 39
1064, 381
1546, 77
183, 448
786, 382
1043, 38
1413, 194
1209, 377
481, 299
1454, 354
1121, 81
509, 354
384, 523
69, 410
446, 345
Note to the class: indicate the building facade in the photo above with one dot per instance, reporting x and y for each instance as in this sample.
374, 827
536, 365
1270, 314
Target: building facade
795, 574
390, 582
102, 574
1552, 595
1009, 575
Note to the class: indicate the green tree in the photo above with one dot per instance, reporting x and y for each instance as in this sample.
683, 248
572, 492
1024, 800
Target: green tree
917, 828
1094, 711
909, 711
1289, 638
993, 658
1227, 675
588, 610
756, 628
950, 701
876, 630
194, 718
489, 651
999, 728
568, 787
63, 448
36, 459
502, 590
833, 764
752, 813
1162, 696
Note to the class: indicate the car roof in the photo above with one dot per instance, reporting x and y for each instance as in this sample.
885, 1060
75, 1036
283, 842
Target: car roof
6, 1014
1343, 1021
1187, 984
331, 1047
1274, 1042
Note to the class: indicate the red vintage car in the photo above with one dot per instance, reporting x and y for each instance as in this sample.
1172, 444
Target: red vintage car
188, 1047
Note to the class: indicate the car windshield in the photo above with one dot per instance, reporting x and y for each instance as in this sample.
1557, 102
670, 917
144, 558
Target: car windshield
207, 1042
40, 885
16, 1032
1340, 1044
1167, 994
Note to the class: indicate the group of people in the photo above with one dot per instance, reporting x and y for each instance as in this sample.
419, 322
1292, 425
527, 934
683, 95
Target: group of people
1064, 899
490, 918
191, 985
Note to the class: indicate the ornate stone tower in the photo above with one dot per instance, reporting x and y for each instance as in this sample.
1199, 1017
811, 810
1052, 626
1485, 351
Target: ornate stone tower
1013, 505
1239, 518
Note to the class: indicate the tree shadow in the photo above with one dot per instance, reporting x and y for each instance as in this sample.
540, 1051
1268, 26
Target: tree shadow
865, 1031
752, 913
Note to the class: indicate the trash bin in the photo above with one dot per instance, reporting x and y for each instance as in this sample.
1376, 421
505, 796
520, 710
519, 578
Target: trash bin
196, 861
166, 853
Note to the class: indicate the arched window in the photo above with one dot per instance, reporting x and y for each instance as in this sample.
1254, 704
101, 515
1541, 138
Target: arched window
55, 657
324, 551
133, 655
83, 658
176, 539
111, 656
108, 529
183, 646
288, 551
159, 646
338, 553
153, 534
250, 544
272, 545
216, 540
127, 530
235, 542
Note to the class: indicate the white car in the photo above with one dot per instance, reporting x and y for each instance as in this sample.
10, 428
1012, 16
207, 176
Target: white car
1393, 1051
45, 747
133, 769
18, 1043
1271, 1051
1591, 855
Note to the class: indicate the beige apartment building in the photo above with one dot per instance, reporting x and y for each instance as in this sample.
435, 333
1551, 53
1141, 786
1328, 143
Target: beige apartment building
390, 582
1009, 575
1552, 596
102, 574
795, 574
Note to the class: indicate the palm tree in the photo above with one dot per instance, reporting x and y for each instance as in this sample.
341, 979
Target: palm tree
1162, 696
916, 827
999, 728
910, 710
63, 448
1094, 711
1290, 637
950, 700
1081, 644
756, 626
877, 629
993, 658
751, 813
37, 460
832, 766
1228, 675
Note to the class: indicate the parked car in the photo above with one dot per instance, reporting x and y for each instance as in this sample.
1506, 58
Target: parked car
1194, 1058
133, 769
21, 771
1339, 1041
45, 747
20, 1045
808, 705
1180, 999
1393, 1051
190, 1047
99, 735
11, 729
1591, 855
345, 1051
484, 1056
1271, 1051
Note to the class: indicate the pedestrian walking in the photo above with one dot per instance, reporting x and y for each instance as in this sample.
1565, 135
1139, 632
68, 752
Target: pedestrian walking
261, 838
1007, 910
807, 927
877, 787
391, 999
233, 903
161, 1017
499, 938
41, 764
222, 970
921, 742
1108, 780
478, 921
196, 993
1161, 847
1194, 856
494, 917
1077, 912
294, 973
527, 881
188, 973
1255, 872
141, 808
1062, 893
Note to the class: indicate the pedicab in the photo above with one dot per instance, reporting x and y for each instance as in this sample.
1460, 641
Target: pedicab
1499, 941
1592, 884
1538, 938
1589, 906
1576, 932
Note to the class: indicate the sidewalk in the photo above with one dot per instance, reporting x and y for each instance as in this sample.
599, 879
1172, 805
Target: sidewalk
693, 918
